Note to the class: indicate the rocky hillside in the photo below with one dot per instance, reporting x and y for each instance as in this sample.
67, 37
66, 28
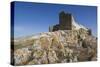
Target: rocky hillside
55, 47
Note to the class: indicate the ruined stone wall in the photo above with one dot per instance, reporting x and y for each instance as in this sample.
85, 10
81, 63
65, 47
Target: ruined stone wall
65, 21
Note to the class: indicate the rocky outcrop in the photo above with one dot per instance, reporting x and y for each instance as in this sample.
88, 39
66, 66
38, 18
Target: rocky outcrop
56, 47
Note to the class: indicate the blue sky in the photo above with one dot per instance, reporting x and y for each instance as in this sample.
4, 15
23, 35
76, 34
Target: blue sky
31, 18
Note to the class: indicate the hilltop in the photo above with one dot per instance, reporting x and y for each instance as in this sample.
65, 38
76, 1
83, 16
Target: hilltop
56, 47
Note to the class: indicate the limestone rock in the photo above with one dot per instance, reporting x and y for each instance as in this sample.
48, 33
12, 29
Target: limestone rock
57, 47
22, 56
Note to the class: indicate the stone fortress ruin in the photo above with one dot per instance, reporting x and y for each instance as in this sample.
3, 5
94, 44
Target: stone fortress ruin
67, 22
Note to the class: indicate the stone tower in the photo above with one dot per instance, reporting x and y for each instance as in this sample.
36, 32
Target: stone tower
65, 21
